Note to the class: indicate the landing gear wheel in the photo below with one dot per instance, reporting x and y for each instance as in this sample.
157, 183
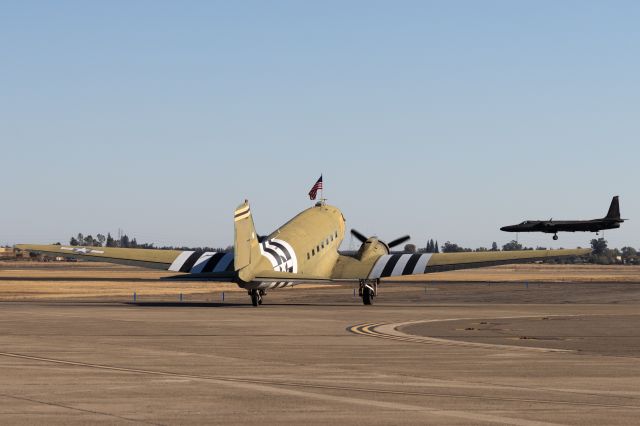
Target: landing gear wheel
368, 289
256, 298
367, 296
555, 237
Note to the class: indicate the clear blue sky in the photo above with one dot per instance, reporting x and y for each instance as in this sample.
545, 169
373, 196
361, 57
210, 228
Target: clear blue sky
443, 119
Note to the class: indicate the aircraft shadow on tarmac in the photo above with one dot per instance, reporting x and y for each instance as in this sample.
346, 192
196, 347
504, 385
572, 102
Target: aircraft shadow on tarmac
265, 306
187, 304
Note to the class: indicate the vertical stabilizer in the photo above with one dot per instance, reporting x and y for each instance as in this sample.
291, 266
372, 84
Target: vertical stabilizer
614, 209
246, 248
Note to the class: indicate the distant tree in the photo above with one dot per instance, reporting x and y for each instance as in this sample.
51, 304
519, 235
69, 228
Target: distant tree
481, 249
88, 240
630, 255
100, 239
598, 246
73, 242
512, 245
431, 246
450, 247
628, 252
110, 241
494, 246
80, 238
124, 241
436, 249
543, 248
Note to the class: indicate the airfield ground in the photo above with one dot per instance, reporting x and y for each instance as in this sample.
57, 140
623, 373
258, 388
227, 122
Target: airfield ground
525, 345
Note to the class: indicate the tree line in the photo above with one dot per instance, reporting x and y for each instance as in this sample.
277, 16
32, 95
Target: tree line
601, 253
124, 241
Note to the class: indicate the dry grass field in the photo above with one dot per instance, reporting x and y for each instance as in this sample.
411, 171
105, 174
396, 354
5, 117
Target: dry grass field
541, 273
102, 281
92, 280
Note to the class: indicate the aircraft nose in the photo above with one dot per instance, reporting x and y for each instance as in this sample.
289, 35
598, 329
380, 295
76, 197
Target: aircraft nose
506, 228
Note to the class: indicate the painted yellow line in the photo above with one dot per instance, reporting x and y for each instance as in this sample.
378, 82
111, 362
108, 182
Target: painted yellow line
390, 331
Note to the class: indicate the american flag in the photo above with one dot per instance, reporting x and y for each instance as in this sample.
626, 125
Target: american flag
315, 188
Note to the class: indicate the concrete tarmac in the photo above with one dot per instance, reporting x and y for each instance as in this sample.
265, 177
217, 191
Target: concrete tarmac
452, 355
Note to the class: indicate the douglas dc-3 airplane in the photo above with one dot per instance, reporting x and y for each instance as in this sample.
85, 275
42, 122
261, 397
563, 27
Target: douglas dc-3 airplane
303, 250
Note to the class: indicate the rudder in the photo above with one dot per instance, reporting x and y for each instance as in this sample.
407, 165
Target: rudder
246, 246
614, 209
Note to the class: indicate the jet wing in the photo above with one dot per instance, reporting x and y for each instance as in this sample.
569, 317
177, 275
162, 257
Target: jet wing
193, 262
394, 265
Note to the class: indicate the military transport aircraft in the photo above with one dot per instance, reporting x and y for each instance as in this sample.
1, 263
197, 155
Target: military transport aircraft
303, 250
610, 221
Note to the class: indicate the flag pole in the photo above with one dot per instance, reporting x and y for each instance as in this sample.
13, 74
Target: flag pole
322, 189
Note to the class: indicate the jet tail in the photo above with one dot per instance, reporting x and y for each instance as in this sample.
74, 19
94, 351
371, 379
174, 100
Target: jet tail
246, 245
614, 209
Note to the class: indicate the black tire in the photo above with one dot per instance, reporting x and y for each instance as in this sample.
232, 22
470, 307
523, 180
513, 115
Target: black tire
367, 296
255, 298
555, 237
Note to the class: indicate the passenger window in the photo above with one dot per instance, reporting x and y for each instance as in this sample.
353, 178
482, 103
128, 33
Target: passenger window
313, 252
318, 249
308, 256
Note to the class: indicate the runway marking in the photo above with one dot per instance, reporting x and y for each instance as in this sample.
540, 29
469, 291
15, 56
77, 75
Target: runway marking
276, 387
390, 331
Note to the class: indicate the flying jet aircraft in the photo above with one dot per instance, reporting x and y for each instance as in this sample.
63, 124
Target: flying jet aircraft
303, 250
610, 221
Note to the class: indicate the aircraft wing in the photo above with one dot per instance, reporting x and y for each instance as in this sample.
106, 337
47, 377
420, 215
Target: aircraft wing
394, 265
215, 264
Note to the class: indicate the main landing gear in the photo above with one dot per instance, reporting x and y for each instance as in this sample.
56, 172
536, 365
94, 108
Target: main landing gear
555, 236
368, 290
256, 296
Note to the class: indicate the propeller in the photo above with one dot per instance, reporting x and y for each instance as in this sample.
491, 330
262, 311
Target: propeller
392, 243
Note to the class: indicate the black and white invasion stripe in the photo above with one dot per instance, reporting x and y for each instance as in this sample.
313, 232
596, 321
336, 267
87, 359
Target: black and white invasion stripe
392, 265
280, 254
197, 262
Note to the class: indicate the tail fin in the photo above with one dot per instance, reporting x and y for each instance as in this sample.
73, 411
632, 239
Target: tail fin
246, 246
614, 209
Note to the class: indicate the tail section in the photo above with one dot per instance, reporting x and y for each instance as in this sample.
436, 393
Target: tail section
614, 209
246, 246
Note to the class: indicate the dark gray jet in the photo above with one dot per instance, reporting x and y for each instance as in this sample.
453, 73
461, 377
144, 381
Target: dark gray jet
610, 221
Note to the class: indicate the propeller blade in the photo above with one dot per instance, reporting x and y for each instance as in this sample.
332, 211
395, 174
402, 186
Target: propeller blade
358, 235
399, 241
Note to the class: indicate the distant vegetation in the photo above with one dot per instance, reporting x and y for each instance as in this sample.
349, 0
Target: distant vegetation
602, 254
125, 242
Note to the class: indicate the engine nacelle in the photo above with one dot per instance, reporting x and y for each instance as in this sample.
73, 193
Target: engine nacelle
372, 247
